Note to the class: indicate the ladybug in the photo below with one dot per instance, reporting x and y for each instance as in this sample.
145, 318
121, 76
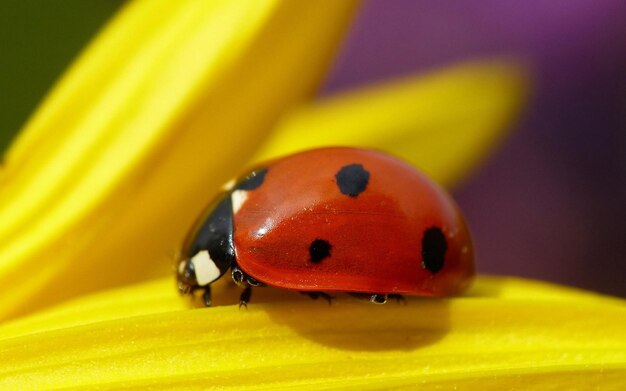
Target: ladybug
333, 219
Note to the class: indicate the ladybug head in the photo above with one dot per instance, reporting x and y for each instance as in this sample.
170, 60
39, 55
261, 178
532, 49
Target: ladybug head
198, 271
209, 249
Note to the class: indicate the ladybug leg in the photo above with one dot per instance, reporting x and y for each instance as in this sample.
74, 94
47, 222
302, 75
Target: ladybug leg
242, 279
378, 298
247, 282
238, 275
206, 296
317, 295
252, 282
244, 299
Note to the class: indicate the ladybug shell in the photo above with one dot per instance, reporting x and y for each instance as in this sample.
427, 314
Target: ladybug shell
346, 219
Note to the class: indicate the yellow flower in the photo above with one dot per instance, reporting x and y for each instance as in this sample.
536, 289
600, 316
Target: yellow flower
173, 99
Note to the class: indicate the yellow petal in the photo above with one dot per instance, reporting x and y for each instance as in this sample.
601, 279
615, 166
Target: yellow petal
445, 122
506, 334
104, 181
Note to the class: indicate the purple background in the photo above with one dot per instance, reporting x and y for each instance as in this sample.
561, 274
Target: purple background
550, 204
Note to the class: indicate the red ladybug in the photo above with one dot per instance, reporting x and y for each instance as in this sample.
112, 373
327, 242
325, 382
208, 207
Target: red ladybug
332, 219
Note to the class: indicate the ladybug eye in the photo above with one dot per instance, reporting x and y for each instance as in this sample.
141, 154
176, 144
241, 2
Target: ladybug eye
187, 272
434, 248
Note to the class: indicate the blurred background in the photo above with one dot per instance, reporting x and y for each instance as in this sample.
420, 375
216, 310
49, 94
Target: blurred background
549, 204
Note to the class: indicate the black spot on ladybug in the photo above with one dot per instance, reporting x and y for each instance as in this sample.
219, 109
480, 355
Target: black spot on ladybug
252, 180
434, 248
352, 179
319, 250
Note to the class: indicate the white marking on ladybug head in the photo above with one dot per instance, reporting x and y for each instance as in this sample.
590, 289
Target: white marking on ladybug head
206, 270
181, 267
238, 197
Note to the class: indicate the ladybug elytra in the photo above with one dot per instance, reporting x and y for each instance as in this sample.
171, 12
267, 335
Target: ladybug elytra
332, 220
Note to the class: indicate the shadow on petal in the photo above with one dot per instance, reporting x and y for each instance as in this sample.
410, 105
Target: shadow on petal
348, 323
361, 326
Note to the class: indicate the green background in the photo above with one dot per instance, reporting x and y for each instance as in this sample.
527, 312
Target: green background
38, 40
